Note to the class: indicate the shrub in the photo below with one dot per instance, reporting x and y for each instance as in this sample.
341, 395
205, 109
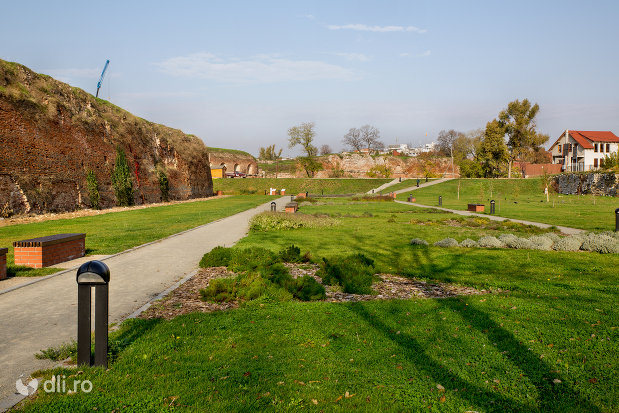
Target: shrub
278, 274
121, 179
541, 242
554, 237
419, 241
251, 258
93, 190
306, 288
469, 243
490, 242
521, 244
291, 254
446, 243
219, 290
571, 243
164, 185
600, 243
217, 257
354, 273
506, 238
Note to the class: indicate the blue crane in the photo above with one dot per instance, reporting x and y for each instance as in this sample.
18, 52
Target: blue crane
107, 62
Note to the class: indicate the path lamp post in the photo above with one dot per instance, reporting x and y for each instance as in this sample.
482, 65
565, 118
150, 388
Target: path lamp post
92, 274
492, 207
617, 220
273, 206
440, 200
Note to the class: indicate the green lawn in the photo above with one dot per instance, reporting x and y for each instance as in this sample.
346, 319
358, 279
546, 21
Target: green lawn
117, 231
524, 199
547, 342
407, 183
294, 186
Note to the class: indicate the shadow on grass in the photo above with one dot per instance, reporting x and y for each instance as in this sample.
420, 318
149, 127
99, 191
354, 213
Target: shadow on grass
130, 331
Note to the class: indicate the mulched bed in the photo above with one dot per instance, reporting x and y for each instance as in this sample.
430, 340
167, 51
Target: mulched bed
186, 298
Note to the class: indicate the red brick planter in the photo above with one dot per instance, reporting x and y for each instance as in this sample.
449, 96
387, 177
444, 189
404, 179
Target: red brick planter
292, 207
50, 250
476, 207
3, 252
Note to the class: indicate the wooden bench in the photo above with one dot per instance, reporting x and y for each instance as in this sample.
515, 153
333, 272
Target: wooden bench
292, 207
53, 249
3, 252
476, 207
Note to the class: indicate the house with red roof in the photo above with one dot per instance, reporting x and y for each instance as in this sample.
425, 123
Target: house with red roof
579, 150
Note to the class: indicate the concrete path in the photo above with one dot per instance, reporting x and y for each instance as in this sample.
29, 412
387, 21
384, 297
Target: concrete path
383, 186
423, 185
565, 230
44, 314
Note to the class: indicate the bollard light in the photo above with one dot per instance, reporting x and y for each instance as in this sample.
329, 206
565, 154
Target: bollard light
273, 206
617, 220
291, 198
92, 274
492, 206
400, 179
440, 200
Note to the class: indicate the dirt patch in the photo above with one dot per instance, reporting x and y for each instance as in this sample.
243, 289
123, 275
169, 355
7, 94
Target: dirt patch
186, 298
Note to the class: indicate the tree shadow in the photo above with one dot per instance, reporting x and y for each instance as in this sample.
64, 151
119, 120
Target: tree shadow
129, 331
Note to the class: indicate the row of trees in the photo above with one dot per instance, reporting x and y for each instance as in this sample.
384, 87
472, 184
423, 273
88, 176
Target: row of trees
491, 152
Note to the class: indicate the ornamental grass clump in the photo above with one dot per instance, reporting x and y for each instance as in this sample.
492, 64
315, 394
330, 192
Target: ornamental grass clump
354, 273
275, 221
469, 243
419, 241
600, 243
490, 242
446, 243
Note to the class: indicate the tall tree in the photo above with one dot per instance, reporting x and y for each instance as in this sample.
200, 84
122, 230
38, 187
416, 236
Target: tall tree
269, 153
369, 135
121, 179
446, 141
303, 135
518, 120
325, 149
353, 139
493, 152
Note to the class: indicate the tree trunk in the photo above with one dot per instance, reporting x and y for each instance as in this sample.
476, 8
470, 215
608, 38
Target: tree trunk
509, 168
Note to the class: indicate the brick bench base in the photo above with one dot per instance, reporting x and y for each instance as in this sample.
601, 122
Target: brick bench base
3, 252
476, 207
46, 251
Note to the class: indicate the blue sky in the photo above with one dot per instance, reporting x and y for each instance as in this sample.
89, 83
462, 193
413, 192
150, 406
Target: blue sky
239, 73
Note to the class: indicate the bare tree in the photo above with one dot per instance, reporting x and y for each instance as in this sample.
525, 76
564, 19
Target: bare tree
353, 139
369, 137
446, 141
325, 150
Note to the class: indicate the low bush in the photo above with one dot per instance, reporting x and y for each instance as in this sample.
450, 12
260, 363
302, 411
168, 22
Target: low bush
306, 288
469, 243
291, 254
541, 242
220, 290
490, 242
600, 243
354, 273
571, 243
446, 243
217, 257
378, 198
419, 241
251, 258
278, 274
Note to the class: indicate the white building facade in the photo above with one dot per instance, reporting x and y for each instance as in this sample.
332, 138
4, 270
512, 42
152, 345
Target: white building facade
583, 150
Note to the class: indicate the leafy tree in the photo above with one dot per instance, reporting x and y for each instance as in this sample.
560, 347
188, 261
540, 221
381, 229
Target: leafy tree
518, 120
493, 152
304, 135
93, 189
270, 153
353, 139
325, 150
471, 169
121, 179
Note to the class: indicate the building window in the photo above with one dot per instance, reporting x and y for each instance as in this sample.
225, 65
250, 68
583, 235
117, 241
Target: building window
608, 147
595, 162
559, 148
595, 149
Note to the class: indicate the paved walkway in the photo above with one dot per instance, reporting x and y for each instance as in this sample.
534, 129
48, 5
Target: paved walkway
44, 314
383, 186
423, 185
565, 230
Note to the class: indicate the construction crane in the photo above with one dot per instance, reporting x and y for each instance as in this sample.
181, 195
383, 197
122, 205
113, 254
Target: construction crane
107, 62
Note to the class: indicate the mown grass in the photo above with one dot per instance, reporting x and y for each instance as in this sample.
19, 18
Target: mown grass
407, 183
546, 342
117, 231
523, 199
294, 186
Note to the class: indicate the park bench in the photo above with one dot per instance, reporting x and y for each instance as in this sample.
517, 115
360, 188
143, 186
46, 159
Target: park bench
292, 207
53, 249
476, 207
3, 252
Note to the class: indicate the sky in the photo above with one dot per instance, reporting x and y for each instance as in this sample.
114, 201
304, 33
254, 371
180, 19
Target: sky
238, 74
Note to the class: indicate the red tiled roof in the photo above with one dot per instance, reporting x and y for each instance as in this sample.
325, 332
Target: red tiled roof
584, 138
